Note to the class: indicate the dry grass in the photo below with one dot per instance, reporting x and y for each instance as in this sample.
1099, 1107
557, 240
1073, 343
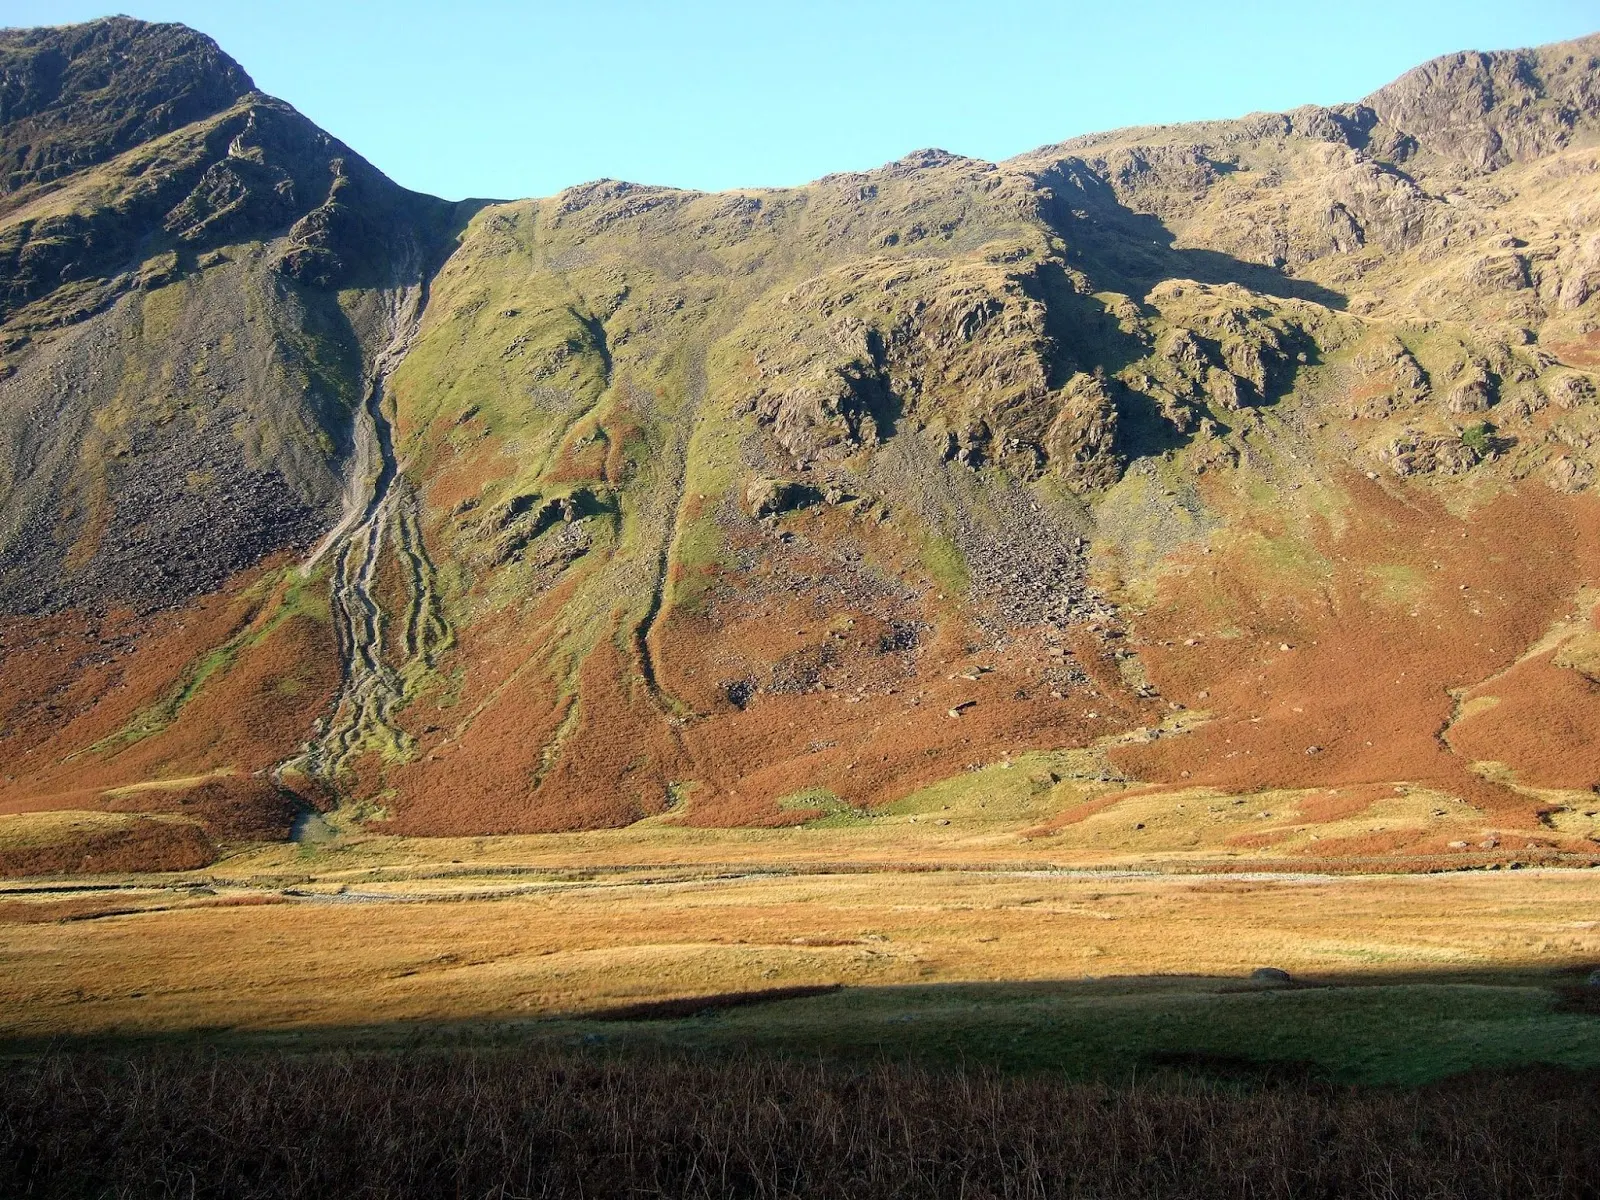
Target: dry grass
566, 1124
375, 954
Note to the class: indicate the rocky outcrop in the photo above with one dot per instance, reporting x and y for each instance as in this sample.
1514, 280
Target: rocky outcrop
1415, 452
259, 171
1581, 279
1484, 111
774, 497
1386, 379
846, 360
75, 96
506, 532
1082, 442
1473, 392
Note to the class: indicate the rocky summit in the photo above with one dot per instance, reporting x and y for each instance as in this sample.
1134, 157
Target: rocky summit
1244, 468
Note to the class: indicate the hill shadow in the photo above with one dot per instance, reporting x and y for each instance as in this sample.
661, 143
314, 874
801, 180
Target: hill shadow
586, 1119
1135, 250
1376, 1028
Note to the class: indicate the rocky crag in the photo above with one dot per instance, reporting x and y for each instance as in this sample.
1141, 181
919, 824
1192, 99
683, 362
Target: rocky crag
1233, 458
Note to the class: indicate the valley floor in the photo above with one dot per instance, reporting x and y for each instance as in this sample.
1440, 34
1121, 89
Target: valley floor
725, 940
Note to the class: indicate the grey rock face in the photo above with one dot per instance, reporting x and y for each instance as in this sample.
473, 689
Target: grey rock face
1488, 110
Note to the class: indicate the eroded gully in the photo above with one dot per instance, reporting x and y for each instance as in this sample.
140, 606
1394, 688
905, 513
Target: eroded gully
380, 510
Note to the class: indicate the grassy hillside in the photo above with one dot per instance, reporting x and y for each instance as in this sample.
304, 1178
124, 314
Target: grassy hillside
745, 493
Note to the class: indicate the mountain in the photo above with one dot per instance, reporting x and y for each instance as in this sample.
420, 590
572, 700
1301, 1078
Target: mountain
1171, 466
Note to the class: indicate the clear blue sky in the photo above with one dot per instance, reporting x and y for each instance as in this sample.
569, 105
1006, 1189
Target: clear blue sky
503, 99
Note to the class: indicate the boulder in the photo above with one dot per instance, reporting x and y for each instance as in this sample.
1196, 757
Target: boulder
1270, 975
1416, 453
770, 497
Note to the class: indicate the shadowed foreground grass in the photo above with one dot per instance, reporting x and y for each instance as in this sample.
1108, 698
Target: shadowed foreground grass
552, 1122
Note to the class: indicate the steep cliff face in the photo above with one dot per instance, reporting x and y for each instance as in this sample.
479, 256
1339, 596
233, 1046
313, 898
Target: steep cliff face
777, 505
